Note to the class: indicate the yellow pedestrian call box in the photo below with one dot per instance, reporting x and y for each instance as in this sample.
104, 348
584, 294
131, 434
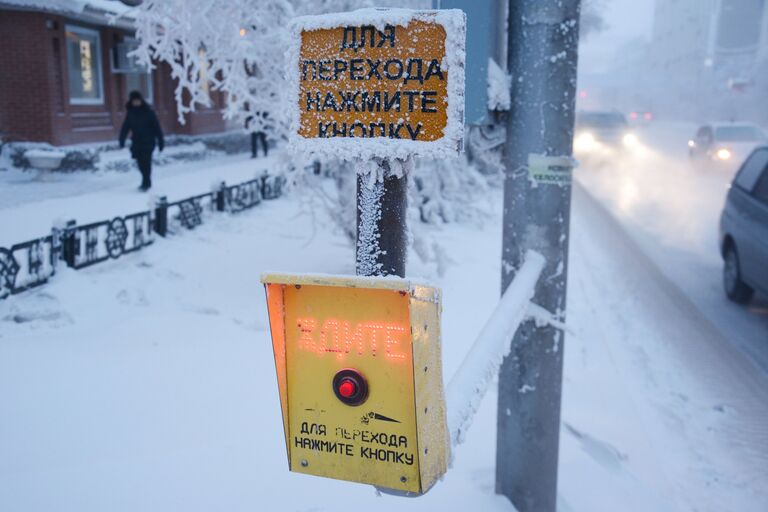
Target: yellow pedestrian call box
360, 378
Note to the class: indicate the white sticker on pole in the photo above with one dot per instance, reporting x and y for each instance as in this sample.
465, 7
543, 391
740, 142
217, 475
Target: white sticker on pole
551, 170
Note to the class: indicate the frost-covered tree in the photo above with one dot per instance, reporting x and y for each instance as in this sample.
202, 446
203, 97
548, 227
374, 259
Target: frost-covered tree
234, 46
227, 45
238, 47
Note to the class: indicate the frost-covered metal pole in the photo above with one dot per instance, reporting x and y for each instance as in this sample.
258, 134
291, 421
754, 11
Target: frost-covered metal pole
542, 58
382, 203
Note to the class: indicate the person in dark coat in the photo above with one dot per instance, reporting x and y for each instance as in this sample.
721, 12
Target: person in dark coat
145, 130
257, 137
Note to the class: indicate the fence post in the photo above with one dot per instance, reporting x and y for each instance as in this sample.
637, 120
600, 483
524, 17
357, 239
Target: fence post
56, 249
69, 245
221, 197
161, 216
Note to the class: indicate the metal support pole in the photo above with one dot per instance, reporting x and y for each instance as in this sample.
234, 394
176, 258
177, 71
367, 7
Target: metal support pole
382, 240
542, 58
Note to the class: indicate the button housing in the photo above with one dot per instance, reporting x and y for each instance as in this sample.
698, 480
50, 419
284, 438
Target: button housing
350, 386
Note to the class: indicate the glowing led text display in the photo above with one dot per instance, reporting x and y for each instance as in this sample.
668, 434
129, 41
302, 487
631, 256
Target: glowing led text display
340, 338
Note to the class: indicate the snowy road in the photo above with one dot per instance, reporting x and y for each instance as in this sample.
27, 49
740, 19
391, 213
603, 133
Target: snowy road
672, 210
147, 383
654, 393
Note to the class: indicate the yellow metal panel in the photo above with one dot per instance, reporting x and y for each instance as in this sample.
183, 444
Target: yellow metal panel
386, 329
434, 444
329, 329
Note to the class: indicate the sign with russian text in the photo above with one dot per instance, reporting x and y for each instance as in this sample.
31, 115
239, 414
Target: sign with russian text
376, 81
359, 373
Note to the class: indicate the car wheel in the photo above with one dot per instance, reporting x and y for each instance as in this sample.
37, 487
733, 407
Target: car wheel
736, 289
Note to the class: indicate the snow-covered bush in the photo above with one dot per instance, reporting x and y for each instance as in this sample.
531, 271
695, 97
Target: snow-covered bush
448, 191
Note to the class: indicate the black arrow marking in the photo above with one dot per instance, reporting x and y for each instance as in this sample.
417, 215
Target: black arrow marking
381, 417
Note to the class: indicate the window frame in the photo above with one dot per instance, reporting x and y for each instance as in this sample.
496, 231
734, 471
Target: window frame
763, 177
149, 98
77, 29
739, 174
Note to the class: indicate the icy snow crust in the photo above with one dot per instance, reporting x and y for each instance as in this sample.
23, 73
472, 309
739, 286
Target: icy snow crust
386, 282
454, 22
499, 87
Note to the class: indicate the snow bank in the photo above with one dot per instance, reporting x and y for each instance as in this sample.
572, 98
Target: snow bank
42, 153
499, 87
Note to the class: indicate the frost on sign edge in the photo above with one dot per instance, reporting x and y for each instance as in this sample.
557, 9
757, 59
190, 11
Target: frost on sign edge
454, 22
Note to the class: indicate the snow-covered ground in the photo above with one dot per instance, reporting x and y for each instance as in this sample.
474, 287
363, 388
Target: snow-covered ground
30, 201
672, 210
147, 383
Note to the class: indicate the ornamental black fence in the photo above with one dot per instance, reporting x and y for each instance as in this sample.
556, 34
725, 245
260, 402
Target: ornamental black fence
31, 264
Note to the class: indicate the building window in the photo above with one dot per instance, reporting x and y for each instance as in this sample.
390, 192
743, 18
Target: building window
137, 76
739, 24
205, 83
141, 82
84, 66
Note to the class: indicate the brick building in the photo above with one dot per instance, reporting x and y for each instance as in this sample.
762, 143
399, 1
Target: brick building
65, 75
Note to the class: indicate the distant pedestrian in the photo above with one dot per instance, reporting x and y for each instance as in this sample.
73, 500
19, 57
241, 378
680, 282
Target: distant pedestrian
145, 129
257, 137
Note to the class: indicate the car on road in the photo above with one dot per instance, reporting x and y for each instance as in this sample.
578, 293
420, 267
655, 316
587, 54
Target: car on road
724, 144
602, 129
744, 230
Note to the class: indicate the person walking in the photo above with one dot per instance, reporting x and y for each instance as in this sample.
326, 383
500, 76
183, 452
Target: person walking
145, 129
257, 137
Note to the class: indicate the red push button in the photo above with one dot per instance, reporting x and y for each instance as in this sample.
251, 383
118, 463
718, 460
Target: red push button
350, 387
347, 388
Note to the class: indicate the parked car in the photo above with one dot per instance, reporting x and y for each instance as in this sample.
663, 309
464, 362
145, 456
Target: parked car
724, 144
596, 129
744, 230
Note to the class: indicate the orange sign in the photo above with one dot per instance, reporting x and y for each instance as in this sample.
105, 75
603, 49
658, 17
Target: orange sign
380, 80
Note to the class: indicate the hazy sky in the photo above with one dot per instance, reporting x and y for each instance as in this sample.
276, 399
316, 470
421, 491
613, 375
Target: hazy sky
626, 20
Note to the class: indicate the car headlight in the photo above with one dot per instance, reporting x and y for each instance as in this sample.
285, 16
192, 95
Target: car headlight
723, 154
584, 141
631, 140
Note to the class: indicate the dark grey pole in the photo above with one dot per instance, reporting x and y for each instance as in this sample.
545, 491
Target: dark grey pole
382, 240
542, 57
